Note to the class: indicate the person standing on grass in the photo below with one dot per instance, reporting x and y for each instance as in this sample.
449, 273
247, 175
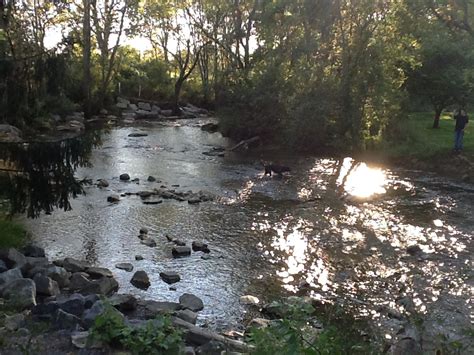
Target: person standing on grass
461, 122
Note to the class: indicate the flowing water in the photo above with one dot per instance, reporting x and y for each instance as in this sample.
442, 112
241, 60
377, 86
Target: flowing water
333, 229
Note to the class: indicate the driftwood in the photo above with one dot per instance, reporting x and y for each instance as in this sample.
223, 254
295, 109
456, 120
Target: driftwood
245, 142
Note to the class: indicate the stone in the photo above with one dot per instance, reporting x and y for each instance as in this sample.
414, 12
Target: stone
139, 257
212, 347
193, 200
9, 133
34, 251
12, 258
144, 106
167, 113
12, 323
58, 274
249, 300
154, 308
45, 311
103, 183
187, 315
210, 127
414, 250
74, 304
79, 281
206, 257
123, 302
148, 242
200, 246
9, 276
3, 266
113, 198
64, 320
179, 243
145, 194
74, 265
45, 285
179, 251
132, 107
32, 262
98, 272
80, 339
96, 310
103, 286
151, 179
189, 350
170, 277
89, 300
136, 135
154, 202
140, 280
192, 302
124, 177
21, 293
143, 230
124, 266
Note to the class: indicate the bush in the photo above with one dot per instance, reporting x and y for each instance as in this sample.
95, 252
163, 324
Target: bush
12, 235
157, 336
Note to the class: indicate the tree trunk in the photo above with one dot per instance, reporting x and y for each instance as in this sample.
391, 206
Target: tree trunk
86, 33
177, 92
437, 117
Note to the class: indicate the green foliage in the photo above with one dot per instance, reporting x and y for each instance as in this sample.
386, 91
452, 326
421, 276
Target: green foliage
157, 336
12, 235
298, 332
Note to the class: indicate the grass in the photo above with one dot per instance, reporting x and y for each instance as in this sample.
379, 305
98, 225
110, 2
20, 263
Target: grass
12, 235
417, 138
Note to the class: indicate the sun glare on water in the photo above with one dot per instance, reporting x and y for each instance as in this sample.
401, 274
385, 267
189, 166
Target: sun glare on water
364, 181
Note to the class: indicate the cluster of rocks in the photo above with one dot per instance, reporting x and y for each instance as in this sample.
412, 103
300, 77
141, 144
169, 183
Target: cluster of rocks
70, 294
151, 111
156, 196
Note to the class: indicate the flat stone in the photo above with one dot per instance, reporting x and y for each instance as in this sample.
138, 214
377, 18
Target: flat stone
98, 272
74, 265
136, 135
148, 242
153, 202
124, 266
179, 251
192, 302
140, 280
187, 315
200, 246
170, 277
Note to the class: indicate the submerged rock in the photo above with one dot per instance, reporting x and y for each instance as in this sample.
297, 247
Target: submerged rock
113, 199
151, 179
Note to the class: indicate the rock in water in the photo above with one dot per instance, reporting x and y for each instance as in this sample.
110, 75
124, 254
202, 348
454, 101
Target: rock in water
113, 199
124, 177
140, 280
170, 277
181, 251
124, 266
192, 302
248, 299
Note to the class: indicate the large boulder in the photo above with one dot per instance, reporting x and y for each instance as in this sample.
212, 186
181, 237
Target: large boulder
64, 320
96, 310
144, 106
33, 262
21, 293
140, 280
153, 308
192, 302
45, 311
9, 276
12, 258
45, 285
81, 283
58, 274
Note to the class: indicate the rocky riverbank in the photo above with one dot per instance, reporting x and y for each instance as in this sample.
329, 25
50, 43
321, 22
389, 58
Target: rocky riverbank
51, 307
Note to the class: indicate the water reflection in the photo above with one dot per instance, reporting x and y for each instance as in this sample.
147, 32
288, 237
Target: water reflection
39, 176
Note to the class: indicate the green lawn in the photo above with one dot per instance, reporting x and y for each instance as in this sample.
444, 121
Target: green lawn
419, 139
12, 235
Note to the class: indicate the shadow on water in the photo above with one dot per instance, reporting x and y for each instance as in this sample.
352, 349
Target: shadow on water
39, 176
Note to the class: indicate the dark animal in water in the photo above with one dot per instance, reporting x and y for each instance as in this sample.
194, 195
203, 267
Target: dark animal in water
277, 169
